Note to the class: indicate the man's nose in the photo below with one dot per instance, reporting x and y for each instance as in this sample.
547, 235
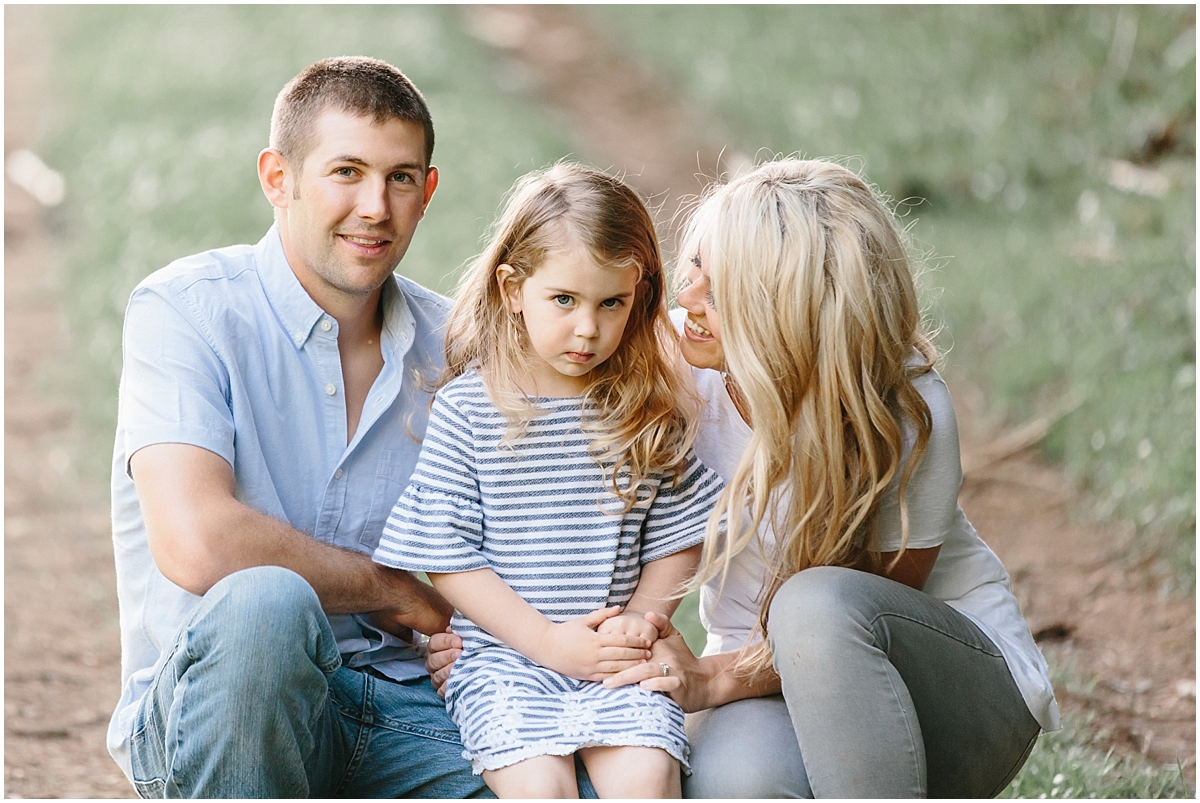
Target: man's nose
374, 204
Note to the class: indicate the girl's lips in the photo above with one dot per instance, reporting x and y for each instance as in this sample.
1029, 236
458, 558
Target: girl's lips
579, 356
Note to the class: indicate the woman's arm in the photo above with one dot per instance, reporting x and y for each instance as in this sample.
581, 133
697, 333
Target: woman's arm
694, 683
572, 648
913, 568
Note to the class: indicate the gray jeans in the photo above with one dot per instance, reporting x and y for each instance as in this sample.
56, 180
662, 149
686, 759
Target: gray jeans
887, 692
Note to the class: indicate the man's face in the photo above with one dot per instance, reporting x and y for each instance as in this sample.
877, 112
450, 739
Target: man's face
350, 208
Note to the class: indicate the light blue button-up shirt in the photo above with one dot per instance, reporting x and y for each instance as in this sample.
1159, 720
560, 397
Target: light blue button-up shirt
226, 351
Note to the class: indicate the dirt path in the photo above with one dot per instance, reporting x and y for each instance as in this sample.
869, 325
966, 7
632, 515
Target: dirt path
1134, 650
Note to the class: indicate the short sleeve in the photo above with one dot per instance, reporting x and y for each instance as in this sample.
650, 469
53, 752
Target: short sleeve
932, 491
679, 514
437, 524
174, 387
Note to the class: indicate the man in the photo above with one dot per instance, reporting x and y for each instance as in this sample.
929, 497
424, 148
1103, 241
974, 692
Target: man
270, 416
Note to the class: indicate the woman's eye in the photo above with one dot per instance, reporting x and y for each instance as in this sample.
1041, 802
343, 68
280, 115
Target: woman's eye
563, 300
712, 302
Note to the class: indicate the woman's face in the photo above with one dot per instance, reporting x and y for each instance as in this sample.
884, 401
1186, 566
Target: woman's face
701, 339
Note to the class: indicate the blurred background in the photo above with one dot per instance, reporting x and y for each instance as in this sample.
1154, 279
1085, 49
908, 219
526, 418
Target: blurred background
1042, 158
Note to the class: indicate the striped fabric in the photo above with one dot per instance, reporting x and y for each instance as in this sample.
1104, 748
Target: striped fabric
536, 511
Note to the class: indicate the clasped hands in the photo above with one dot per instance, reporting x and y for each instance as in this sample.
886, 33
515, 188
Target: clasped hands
609, 645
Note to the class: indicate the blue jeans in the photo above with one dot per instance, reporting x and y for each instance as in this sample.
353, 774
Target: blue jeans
887, 692
253, 702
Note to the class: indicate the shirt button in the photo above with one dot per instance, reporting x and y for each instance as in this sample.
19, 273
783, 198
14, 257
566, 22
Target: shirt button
337, 475
326, 325
330, 390
298, 337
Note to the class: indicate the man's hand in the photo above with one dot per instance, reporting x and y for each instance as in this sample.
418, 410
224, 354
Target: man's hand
630, 624
443, 651
418, 606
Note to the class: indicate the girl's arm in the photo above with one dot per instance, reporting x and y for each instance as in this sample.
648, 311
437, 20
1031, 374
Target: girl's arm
657, 592
572, 648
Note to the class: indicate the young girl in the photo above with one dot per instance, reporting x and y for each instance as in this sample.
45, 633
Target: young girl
557, 502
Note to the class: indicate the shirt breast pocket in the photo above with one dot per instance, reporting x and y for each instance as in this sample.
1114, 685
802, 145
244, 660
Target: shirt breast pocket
391, 478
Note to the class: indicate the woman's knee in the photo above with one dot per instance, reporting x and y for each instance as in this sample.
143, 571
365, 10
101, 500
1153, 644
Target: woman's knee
817, 600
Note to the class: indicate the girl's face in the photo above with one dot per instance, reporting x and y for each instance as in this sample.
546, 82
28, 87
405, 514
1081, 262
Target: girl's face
701, 338
575, 313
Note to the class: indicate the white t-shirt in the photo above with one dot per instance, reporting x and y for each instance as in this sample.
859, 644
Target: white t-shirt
967, 575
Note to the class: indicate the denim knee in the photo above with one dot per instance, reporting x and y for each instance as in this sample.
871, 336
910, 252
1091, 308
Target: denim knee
815, 603
265, 613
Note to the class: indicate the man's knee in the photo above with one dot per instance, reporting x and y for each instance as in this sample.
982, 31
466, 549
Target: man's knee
267, 611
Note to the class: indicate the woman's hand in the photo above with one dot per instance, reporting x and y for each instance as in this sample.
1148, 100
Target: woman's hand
442, 651
686, 682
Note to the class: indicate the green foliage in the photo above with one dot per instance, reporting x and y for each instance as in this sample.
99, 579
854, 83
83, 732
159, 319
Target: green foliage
158, 115
1047, 157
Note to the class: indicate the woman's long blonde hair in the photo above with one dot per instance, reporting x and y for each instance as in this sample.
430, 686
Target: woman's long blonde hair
641, 418
822, 334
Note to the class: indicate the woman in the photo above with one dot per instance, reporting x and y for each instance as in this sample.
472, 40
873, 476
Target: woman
890, 628
863, 641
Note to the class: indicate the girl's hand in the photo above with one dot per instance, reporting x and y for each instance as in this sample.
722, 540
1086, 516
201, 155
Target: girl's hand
443, 651
684, 683
630, 624
574, 648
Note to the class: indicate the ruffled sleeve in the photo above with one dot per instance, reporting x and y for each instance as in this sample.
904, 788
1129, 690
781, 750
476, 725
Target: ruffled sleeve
437, 524
679, 514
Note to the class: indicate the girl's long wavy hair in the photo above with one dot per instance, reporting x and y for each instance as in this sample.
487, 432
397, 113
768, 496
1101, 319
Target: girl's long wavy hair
822, 333
641, 417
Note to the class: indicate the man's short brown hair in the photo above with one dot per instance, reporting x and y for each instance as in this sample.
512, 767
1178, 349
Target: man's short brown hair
354, 84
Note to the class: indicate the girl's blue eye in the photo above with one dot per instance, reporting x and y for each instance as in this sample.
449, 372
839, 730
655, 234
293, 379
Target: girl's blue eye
562, 300
611, 303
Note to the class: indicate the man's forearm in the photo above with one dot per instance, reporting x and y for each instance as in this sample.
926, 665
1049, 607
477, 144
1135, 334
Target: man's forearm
199, 532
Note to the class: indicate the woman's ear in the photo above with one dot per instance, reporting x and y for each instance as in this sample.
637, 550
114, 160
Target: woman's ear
510, 288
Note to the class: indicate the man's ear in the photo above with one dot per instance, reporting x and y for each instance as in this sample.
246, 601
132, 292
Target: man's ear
274, 179
431, 182
510, 289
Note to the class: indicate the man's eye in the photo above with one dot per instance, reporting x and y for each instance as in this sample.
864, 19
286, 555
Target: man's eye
403, 178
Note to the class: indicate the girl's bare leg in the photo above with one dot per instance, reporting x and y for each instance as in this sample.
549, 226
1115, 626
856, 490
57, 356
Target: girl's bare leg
632, 772
537, 777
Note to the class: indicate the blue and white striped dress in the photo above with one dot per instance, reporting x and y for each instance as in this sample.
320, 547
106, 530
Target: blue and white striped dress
537, 512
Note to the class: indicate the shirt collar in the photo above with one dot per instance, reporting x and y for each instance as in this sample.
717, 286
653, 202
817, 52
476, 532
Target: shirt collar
299, 314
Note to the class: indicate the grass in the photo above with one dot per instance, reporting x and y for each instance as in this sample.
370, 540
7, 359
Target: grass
1066, 764
1054, 148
